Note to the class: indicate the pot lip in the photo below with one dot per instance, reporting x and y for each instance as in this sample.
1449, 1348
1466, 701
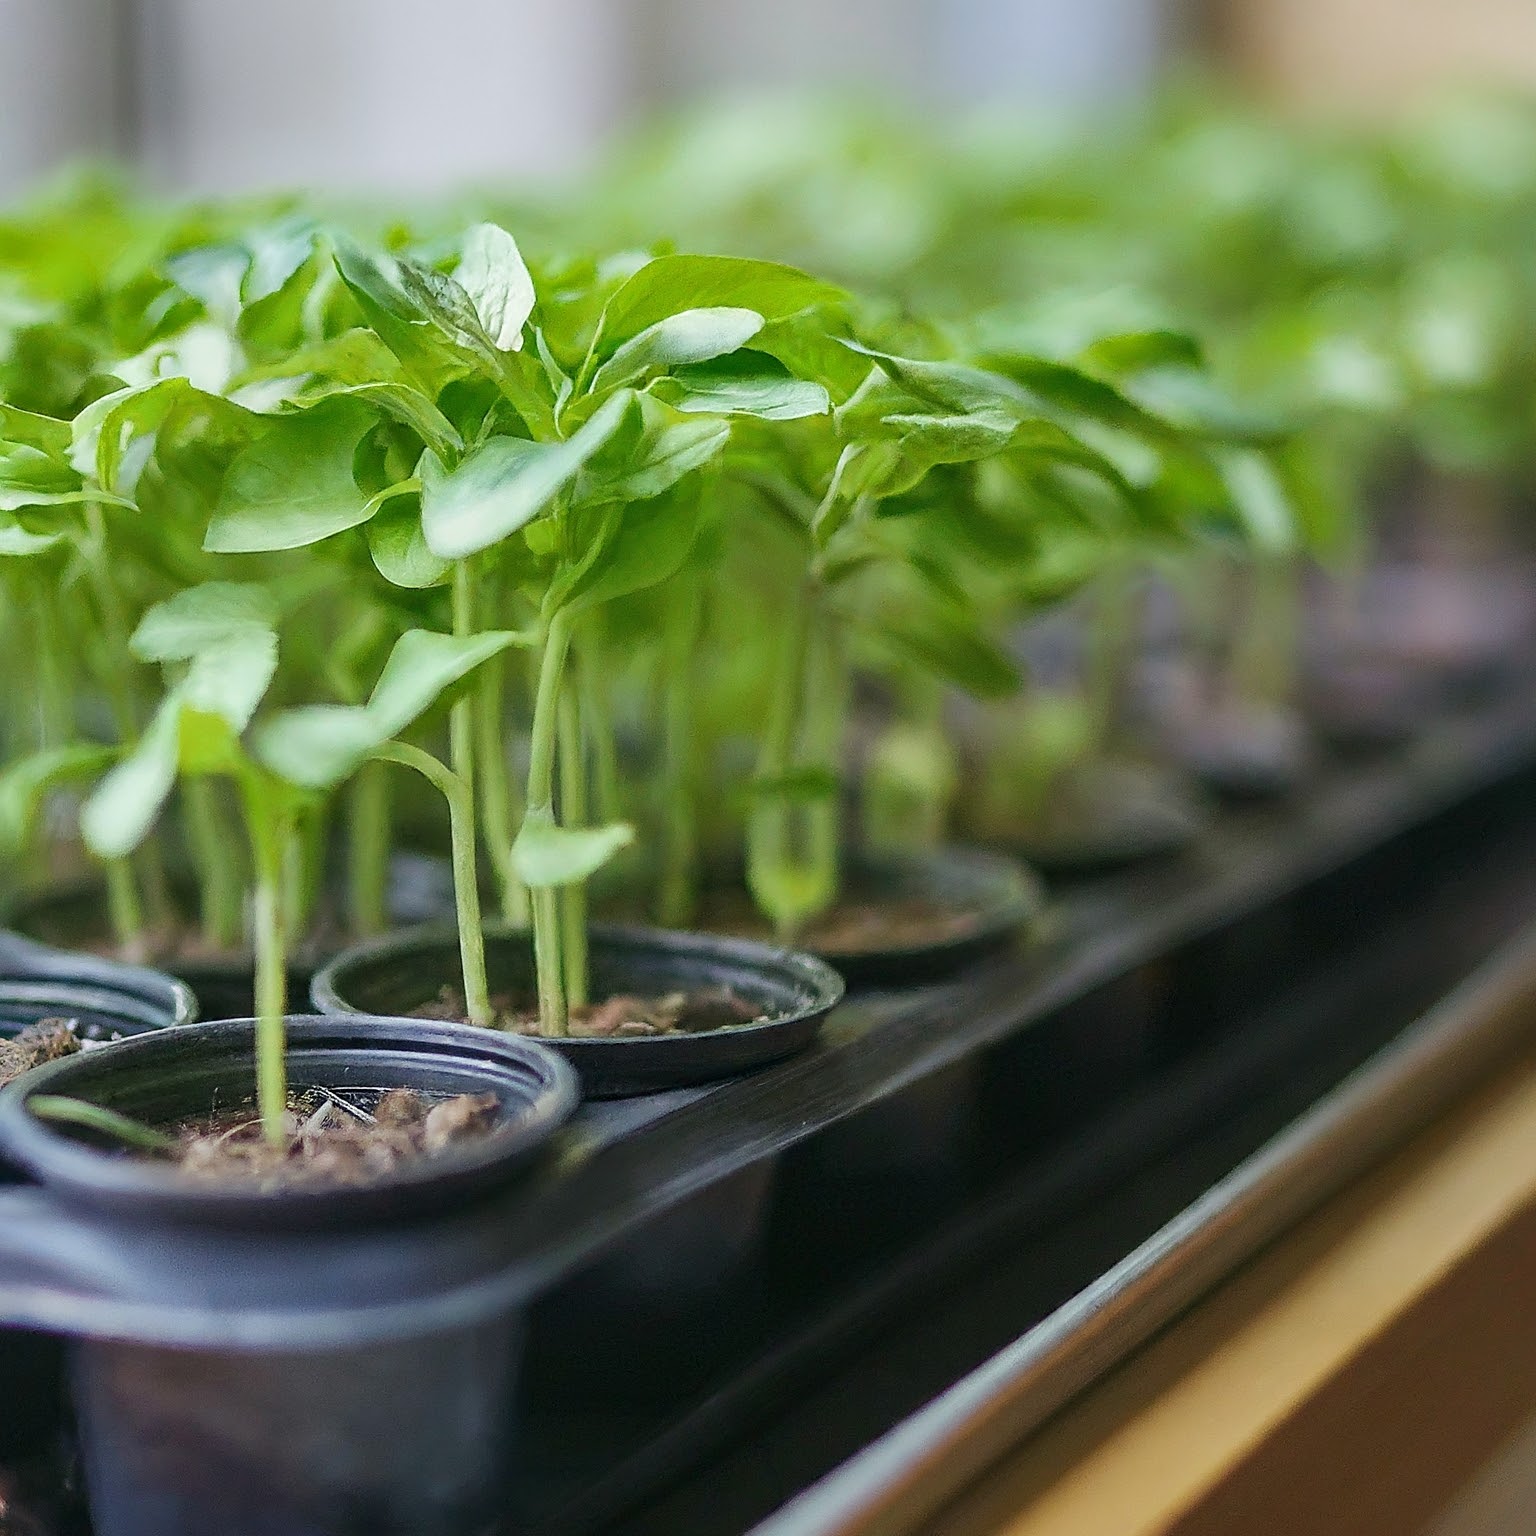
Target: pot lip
77, 1171
806, 970
26, 962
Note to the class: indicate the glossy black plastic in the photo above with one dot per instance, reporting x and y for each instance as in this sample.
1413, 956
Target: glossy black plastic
106, 997
999, 893
795, 992
174, 1075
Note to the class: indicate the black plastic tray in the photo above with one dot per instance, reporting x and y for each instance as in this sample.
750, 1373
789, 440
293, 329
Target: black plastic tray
696, 1257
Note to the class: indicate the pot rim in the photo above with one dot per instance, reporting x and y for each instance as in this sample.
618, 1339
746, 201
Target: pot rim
793, 966
25, 961
76, 1171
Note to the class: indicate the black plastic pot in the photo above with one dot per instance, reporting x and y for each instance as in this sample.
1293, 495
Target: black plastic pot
1247, 752
270, 1434
106, 998
169, 1076
1105, 813
795, 991
999, 894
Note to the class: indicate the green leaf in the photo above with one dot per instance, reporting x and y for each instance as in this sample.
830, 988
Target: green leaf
545, 855
643, 544
200, 617
744, 390
294, 485
319, 745
639, 466
494, 276
668, 284
690, 336
26, 783
399, 548
227, 680
119, 814
34, 431
17, 543
506, 483
1260, 499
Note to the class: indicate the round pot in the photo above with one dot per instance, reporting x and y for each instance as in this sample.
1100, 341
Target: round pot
1000, 898
795, 991
1247, 752
1364, 704
168, 1076
107, 997
1105, 813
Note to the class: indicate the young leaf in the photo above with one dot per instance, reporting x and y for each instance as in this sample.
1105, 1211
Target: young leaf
639, 466
494, 276
123, 807
294, 486
645, 544
690, 336
319, 745
721, 390
26, 783
197, 618
667, 284
545, 855
399, 549
506, 483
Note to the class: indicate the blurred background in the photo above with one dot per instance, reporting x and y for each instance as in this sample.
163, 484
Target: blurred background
411, 95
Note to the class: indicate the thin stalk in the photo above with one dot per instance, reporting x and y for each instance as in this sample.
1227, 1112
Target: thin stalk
116, 684
368, 850
95, 1117
679, 894
554, 1010
270, 832
125, 912
1110, 648
466, 873
597, 730
466, 891
494, 776
776, 881
218, 879
1264, 652
573, 813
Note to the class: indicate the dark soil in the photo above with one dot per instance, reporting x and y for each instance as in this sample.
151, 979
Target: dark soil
852, 927
331, 1139
47, 1040
621, 1017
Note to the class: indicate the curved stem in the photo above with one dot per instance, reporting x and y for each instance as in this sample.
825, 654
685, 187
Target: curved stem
466, 892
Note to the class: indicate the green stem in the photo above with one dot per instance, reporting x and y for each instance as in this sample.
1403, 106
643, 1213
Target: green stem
1110, 649
125, 912
271, 832
573, 813
466, 872
1264, 652
368, 851
218, 878
770, 851
466, 890
495, 780
680, 835
554, 1010
94, 1117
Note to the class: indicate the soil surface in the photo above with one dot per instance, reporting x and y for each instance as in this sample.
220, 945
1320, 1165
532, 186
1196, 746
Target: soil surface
851, 927
47, 1040
621, 1017
330, 1138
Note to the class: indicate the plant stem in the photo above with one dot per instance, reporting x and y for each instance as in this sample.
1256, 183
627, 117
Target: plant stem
218, 878
1264, 651
461, 817
680, 835
461, 825
270, 832
95, 1117
1109, 643
495, 781
554, 1011
573, 813
368, 850
127, 916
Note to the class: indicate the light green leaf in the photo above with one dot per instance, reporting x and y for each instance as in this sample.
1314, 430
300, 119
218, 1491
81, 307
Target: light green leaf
1260, 499
506, 483
545, 855
294, 486
200, 617
722, 391
399, 548
320, 745
493, 274
119, 814
644, 543
637, 468
17, 543
26, 783
668, 284
691, 336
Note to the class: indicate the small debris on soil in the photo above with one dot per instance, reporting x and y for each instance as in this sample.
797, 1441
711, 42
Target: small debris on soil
47, 1040
621, 1017
331, 1139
